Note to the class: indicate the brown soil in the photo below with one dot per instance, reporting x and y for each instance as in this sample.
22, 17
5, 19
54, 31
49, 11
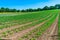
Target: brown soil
20, 34
50, 32
30, 36
16, 26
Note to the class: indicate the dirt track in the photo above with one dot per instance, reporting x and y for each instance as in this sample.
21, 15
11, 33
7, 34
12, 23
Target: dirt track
50, 32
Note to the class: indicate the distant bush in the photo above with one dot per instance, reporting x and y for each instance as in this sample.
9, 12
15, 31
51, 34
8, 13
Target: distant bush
57, 6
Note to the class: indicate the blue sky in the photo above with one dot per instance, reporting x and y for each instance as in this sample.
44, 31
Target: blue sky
24, 4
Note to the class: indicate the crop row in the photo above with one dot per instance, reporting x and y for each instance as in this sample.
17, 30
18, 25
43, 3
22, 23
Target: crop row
20, 19
59, 28
34, 34
16, 30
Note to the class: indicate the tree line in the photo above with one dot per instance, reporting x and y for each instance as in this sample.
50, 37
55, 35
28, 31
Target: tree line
57, 6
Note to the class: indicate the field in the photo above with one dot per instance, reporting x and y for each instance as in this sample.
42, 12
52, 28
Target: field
41, 25
59, 27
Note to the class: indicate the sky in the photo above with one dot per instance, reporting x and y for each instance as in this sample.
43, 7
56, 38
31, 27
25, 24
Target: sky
24, 4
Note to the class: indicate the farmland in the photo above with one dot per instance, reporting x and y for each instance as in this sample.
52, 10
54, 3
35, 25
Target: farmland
29, 25
59, 27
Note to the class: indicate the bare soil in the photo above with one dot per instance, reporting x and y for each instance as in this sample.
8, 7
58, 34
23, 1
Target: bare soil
50, 32
16, 26
21, 33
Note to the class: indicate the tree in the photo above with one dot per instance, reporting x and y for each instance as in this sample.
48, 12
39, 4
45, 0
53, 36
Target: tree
39, 9
29, 10
7, 9
2, 9
18, 10
46, 8
52, 7
12, 10
23, 10
57, 6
